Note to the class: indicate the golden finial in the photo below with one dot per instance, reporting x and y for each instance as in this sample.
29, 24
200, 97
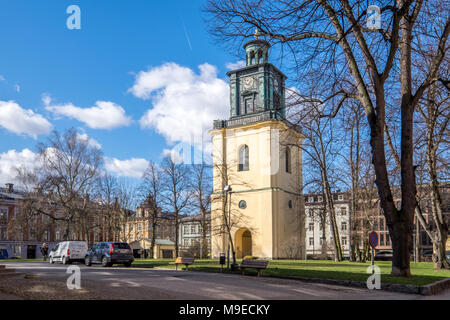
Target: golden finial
256, 33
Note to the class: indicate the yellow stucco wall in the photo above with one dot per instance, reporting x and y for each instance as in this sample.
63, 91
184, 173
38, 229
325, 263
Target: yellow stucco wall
157, 253
266, 188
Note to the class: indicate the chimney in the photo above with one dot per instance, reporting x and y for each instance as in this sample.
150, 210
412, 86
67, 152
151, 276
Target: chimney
9, 187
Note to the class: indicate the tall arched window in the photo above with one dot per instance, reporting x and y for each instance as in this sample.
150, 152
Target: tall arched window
288, 159
243, 158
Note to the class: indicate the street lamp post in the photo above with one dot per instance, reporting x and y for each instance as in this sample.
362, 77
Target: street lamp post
227, 190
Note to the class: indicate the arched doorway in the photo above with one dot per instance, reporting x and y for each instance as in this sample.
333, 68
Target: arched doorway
243, 240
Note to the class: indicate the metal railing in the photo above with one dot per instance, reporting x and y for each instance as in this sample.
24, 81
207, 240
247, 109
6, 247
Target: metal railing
246, 119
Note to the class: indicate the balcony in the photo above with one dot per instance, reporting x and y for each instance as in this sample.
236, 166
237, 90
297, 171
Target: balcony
246, 119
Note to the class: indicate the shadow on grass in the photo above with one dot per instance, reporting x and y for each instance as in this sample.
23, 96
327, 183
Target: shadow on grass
422, 274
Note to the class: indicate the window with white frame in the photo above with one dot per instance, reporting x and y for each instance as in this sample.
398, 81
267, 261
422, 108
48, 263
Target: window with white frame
343, 211
311, 227
344, 226
344, 241
319, 198
311, 241
311, 199
243, 158
340, 197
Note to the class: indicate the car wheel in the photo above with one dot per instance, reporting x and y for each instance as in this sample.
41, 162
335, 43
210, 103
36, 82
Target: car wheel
51, 260
87, 261
66, 260
105, 262
127, 264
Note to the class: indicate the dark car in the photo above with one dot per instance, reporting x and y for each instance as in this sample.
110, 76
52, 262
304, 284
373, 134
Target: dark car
109, 253
383, 255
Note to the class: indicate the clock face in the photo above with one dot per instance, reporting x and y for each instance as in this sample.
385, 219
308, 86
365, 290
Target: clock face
248, 82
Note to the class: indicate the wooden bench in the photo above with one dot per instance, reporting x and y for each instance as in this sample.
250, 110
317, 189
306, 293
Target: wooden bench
183, 260
254, 264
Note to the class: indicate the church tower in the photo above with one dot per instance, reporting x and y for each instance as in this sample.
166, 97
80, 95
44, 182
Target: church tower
256, 155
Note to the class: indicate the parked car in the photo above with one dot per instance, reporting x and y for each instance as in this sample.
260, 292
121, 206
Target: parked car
447, 253
68, 251
109, 253
3, 254
383, 255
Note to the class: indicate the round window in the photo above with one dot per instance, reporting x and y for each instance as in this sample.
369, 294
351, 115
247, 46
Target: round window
242, 204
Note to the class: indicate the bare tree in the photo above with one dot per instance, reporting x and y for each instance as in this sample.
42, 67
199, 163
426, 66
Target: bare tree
434, 114
225, 217
202, 190
335, 52
176, 193
319, 147
66, 174
152, 189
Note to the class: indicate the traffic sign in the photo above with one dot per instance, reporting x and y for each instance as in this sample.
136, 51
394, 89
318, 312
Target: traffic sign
373, 239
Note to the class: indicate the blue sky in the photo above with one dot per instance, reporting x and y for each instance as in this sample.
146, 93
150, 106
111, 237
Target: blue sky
137, 78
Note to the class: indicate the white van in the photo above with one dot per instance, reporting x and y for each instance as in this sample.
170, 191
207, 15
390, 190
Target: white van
68, 251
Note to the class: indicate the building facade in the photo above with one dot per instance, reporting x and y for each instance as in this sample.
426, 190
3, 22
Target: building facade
191, 233
256, 153
139, 226
23, 230
319, 236
22, 236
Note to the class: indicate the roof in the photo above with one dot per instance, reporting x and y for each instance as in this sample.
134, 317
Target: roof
161, 241
5, 194
194, 217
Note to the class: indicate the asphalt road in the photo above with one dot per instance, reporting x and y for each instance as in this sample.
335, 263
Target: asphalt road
136, 283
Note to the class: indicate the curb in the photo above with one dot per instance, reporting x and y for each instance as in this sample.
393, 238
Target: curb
436, 287
429, 289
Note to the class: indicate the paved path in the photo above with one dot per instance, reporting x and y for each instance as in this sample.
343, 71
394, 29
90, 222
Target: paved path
136, 283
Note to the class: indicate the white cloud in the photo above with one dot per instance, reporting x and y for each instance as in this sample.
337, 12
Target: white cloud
91, 141
174, 155
20, 121
133, 168
2, 78
11, 160
184, 103
235, 65
103, 115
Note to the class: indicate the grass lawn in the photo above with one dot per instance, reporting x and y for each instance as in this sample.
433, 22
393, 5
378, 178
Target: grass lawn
19, 260
422, 272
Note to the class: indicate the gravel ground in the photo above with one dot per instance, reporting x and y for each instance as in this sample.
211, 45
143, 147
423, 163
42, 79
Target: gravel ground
18, 288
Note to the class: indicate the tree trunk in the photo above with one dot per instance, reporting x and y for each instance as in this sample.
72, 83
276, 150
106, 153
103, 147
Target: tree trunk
439, 256
204, 233
401, 239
